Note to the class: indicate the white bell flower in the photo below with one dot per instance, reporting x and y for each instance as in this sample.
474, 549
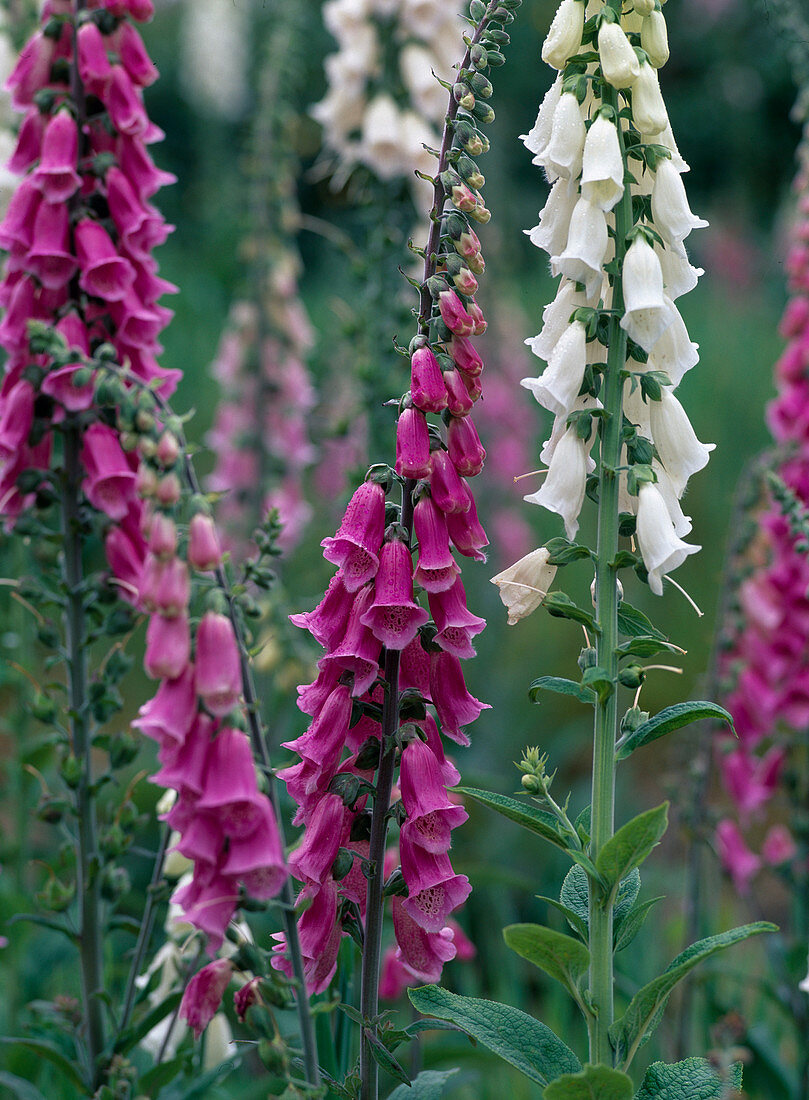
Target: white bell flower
565, 483
554, 218
416, 64
631, 22
524, 585
564, 36
636, 409
586, 248
537, 138
661, 549
681, 453
666, 138
654, 38
679, 276
648, 109
682, 522
671, 213
619, 62
380, 147
343, 17
559, 427
555, 319
558, 386
675, 352
602, 177
647, 310
563, 154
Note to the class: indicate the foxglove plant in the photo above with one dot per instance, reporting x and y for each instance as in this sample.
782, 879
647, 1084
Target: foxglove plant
615, 347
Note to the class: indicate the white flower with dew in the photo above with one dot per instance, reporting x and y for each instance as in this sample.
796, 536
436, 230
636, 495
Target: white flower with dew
565, 34
671, 213
586, 248
654, 38
619, 62
682, 522
681, 453
558, 386
563, 154
555, 318
675, 352
679, 276
662, 551
602, 177
565, 483
648, 313
524, 585
554, 218
648, 109
539, 135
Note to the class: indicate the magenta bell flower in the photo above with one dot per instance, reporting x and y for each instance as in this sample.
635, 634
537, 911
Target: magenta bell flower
208, 902
162, 535
203, 994
736, 857
355, 547
204, 551
465, 356
110, 481
58, 383
449, 773
94, 64
202, 840
32, 70
125, 104
466, 532
448, 491
412, 444
414, 669
168, 716
17, 229
456, 707
456, 624
173, 589
56, 174
327, 622
105, 274
320, 935
29, 142
50, 258
454, 315
230, 784
427, 388
421, 953
435, 890
322, 744
359, 650
17, 419
459, 399
464, 446
325, 832
258, 859
168, 647
430, 814
184, 766
133, 55
437, 568
394, 617
219, 670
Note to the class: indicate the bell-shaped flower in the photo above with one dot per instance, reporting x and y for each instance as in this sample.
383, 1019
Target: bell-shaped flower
465, 355
681, 453
648, 109
619, 62
110, 481
50, 258
320, 934
564, 36
674, 352
168, 716
671, 213
455, 706
661, 549
434, 889
539, 135
431, 815
427, 387
394, 616
358, 651
204, 549
564, 486
218, 664
323, 742
558, 387
231, 790
602, 177
183, 769
203, 994
654, 38
168, 647
556, 318
447, 488
554, 219
257, 860
454, 314
455, 622
682, 522
459, 399
586, 248
327, 622
420, 954
104, 273
313, 859
648, 312
208, 902
56, 174
466, 532
679, 276
463, 444
355, 546
524, 585
412, 444
16, 419
738, 860
563, 154
437, 568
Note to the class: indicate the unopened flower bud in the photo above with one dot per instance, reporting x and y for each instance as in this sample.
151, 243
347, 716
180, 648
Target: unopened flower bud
619, 62
465, 281
481, 86
654, 39
204, 551
168, 489
162, 536
467, 244
168, 449
463, 96
648, 109
565, 34
478, 56
463, 198
146, 481
481, 214
483, 112
477, 263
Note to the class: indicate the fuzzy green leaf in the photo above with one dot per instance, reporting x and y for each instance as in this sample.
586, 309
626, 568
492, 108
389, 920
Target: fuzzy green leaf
645, 1009
573, 919
561, 686
560, 605
514, 1036
693, 1079
631, 844
593, 1083
563, 552
644, 645
523, 813
560, 956
383, 1057
575, 894
668, 720
599, 680
626, 930
634, 623
429, 1085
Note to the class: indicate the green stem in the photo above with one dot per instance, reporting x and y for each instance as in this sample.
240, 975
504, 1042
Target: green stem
88, 884
606, 715
146, 927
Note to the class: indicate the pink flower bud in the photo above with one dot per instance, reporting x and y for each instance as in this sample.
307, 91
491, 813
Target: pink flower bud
203, 994
412, 444
162, 535
465, 356
467, 244
134, 57
459, 401
427, 387
465, 281
463, 197
454, 315
168, 449
204, 551
168, 490
125, 104
477, 263
110, 482
246, 997
479, 321
218, 664
449, 492
146, 481
464, 446
168, 647
437, 569
172, 591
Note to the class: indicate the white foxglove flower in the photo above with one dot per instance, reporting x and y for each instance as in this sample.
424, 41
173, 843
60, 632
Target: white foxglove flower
654, 39
558, 386
524, 585
536, 140
679, 276
602, 177
667, 139
214, 56
587, 402
565, 483
586, 248
344, 17
648, 109
380, 147
554, 218
644, 7
647, 310
427, 20
564, 36
675, 352
661, 549
619, 62
563, 154
681, 453
682, 522
632, 22
416, 64
556, 317
671, 213
636, 409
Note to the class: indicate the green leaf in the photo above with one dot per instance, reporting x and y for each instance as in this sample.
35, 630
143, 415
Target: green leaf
668, 720
599, 680
160, 1075
575, 894
200, 1085
561, 686
53, 923
383, 1057
559, 955
593, 1083
627, 896
23, 1090
635, 623
560, 605
645, 1009
644, 645
693, 1079
51, 1054
132, 1035
573, 919
429, 1085
563, 552
523, 813
632, 843
625, 932
514, 1036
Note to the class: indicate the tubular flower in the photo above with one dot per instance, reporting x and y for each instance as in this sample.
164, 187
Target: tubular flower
577, 228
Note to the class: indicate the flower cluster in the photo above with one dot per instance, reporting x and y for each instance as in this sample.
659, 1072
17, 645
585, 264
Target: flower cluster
381, 129
764, 663
584, 143
8, 60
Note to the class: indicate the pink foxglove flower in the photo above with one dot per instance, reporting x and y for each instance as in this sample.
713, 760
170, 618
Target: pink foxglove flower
203, 994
